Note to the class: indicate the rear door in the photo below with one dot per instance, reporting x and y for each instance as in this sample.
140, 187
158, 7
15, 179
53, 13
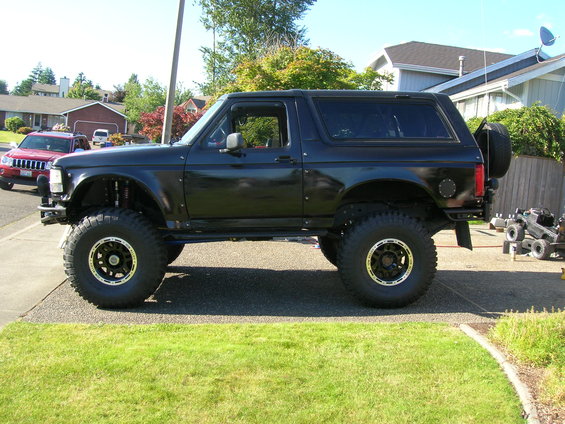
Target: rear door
258, 186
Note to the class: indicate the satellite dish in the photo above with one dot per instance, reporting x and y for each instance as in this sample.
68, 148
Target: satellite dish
547, 38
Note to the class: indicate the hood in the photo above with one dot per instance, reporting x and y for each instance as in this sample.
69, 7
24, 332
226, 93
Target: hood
33, 154
132, 155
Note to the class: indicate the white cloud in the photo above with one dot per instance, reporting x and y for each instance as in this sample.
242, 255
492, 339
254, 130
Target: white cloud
521, 33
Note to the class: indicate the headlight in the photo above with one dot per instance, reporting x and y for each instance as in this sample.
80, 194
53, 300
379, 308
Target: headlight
56, 180
48, 165
6, 160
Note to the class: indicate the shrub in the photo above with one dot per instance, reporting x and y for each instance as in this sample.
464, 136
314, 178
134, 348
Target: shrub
24, 130
116, 139
12, 124
534, 131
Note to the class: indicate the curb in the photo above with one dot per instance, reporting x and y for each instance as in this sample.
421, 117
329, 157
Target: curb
529, 410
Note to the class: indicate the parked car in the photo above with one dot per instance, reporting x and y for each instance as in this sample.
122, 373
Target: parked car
100, 136
35, 155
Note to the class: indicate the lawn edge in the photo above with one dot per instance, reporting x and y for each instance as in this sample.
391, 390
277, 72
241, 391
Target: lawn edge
529, 409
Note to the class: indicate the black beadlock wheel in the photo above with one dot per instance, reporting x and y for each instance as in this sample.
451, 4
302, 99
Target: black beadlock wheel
114, 258
515, 232
329, 247
387, 260
541, 249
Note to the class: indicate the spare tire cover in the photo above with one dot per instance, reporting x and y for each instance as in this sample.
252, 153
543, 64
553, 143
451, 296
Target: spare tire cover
494, 142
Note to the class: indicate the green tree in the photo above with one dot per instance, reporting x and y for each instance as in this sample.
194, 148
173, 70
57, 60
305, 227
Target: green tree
142, 98
242, 29
14, 123
36, 72
47, 76
82, 89
534, 130
305, 68
23, 88
3, 87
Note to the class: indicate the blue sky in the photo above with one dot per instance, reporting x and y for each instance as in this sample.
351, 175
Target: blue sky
109, 40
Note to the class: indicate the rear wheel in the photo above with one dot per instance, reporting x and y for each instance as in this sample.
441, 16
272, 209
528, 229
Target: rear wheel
541, 249
388, 260
114, 258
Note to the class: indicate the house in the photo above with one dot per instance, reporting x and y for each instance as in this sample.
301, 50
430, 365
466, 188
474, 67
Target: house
417, 66
51, 90
43, 112
478, 82
519, 81
195, 104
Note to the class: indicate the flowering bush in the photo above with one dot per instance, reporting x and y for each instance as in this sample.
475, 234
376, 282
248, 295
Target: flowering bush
153, 122
61, 128
24, 130
116, 139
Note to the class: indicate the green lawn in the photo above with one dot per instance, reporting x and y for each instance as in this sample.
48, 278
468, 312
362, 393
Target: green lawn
280, 373
8, 136
537, 338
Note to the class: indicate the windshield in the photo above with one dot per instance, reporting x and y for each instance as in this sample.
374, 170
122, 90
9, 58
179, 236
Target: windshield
41, 142
188, 138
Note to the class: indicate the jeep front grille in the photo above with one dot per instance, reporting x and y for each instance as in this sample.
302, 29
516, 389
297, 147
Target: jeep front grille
35, 165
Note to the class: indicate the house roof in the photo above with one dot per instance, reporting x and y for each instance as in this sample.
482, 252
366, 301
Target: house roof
545, 66
437, 56
45, 88
50, 105
198, 101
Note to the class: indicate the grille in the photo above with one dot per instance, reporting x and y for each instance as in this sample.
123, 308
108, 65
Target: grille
35, 165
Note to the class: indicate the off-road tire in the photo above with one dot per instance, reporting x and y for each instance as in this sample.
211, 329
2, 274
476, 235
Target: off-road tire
114, 258
515, 232
387, 260
6, 186
541, 249
173, 252
329, 247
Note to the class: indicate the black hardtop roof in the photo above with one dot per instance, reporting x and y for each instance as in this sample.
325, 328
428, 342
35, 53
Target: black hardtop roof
337, 93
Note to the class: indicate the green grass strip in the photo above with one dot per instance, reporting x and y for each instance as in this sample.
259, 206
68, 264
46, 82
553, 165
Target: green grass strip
537, 338
280, 373
8, 137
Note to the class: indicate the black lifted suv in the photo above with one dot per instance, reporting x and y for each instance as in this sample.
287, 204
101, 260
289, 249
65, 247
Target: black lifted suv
372, 174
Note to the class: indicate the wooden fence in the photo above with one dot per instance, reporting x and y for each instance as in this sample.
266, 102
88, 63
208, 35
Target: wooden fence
531, 182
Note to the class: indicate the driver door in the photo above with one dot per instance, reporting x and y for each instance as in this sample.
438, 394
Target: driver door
257, 186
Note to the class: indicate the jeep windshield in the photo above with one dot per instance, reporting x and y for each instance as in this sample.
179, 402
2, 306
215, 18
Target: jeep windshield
41, 142
188, 138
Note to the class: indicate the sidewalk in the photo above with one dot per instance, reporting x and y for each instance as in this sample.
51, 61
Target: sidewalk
31, 263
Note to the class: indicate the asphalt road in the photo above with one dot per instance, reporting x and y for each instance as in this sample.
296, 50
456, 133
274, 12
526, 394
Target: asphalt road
287, 281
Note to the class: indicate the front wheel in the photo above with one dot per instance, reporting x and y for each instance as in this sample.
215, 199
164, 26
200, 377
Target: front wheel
6, 186
388, 260
541, 249
114, 258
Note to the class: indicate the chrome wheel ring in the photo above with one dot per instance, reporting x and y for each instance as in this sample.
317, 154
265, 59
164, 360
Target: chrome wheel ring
112, 261
389, 262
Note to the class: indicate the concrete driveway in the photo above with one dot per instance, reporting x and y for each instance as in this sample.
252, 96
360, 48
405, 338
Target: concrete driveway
291, 281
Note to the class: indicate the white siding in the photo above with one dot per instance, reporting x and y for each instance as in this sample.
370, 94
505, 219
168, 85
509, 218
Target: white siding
549, 93
418, 81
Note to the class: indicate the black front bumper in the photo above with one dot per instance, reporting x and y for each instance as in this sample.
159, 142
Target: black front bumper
52, 214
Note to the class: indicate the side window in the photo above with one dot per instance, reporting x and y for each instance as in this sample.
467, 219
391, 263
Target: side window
262, 125
370, 120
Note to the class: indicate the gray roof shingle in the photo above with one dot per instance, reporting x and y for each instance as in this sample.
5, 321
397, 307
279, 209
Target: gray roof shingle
47, 105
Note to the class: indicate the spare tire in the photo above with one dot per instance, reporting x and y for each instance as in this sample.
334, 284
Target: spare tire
494, 142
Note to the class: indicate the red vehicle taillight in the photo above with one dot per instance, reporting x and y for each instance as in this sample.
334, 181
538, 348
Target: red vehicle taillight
479, 180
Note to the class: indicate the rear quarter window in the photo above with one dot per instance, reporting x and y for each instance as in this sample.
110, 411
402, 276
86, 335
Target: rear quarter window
354, 120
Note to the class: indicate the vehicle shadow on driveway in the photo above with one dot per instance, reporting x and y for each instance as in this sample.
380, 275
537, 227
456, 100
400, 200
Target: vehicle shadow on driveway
233, 294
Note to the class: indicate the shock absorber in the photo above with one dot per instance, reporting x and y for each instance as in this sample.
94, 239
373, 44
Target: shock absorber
125, 195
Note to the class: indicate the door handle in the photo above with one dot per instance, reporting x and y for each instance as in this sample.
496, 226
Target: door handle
284, 159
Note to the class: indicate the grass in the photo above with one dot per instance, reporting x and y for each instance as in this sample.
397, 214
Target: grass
280, 373
537, 338
8, 137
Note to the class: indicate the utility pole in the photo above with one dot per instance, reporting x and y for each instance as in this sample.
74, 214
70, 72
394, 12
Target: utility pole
170, 105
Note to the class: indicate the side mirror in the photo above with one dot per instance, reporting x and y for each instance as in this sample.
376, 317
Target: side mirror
234, 142
13, 145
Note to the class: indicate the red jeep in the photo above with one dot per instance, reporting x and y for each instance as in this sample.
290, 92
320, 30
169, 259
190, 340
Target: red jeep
35, 155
